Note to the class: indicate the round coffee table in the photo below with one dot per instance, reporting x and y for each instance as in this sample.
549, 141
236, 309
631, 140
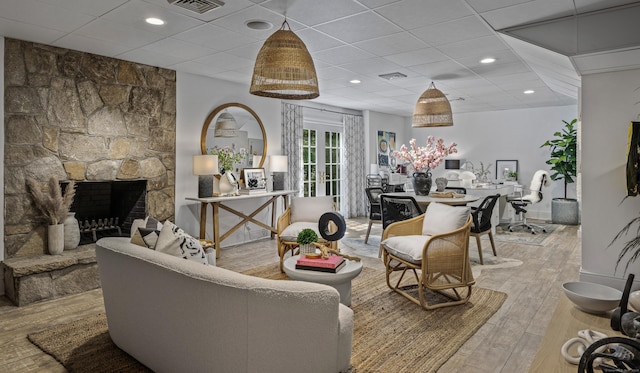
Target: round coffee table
341, 280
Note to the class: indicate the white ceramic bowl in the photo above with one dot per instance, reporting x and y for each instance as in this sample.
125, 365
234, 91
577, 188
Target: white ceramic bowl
592, 298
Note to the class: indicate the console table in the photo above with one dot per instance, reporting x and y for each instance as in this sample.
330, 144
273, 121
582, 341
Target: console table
223, 203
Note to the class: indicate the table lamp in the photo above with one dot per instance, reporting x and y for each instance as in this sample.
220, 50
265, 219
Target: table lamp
467, 178
205, 166
278, 165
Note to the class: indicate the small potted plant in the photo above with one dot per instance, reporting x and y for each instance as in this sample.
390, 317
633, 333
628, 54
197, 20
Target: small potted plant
513, 176
305, 239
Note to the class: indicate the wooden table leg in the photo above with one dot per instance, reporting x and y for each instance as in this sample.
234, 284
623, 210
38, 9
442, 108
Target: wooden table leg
274, 204
215, 227
203, 219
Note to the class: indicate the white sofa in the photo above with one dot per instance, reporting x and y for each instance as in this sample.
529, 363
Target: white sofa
175, 315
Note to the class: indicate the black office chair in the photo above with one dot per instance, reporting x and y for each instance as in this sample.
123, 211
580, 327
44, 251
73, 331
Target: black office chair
375, 210
482, 222
459, 190
397, 208
519, 202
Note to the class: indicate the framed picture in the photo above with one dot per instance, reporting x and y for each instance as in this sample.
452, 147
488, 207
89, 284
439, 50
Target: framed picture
386, 144
254, 178
504, 168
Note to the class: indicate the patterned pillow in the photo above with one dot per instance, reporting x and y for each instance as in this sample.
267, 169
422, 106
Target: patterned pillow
148, 222
175, 241
145, 237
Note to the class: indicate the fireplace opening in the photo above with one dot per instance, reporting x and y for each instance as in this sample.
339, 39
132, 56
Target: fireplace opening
108, 208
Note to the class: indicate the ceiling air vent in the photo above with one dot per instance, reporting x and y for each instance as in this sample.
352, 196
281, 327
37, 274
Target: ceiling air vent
391, 76
198, 6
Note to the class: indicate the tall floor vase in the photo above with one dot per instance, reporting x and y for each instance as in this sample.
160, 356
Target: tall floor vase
71, 231
55, 239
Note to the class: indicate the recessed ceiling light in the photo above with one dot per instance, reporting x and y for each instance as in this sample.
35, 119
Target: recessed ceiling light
355, 81
259, 25
488, 60
154, 21
528, 91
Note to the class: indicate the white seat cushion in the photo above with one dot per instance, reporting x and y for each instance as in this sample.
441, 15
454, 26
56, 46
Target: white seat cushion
440, 218
309, 209
408, 248
290, 233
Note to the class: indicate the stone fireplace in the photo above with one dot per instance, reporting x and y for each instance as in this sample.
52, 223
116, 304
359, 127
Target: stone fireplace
88, 118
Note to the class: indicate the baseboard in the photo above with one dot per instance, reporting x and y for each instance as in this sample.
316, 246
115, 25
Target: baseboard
608, 280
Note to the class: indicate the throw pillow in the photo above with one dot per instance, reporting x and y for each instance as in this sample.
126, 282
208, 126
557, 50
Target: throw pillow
441, 218
310, 209
148, 222
145, 237
173, 240
136, 239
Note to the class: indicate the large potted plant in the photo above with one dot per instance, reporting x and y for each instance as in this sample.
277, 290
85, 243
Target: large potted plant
563, 162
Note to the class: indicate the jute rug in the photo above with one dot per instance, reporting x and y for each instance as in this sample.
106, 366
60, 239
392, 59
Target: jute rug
391, 334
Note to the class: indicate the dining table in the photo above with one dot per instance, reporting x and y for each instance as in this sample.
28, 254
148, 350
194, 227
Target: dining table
424, 201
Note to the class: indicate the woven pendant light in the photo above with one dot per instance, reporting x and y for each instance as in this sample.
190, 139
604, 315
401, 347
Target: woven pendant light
284, 68
226, 126
432, 109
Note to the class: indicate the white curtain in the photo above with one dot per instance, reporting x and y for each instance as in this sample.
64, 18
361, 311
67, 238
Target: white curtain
292, 144
353, 203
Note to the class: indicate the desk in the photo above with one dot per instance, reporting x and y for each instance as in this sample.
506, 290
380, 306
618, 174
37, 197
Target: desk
423, 201
222, 202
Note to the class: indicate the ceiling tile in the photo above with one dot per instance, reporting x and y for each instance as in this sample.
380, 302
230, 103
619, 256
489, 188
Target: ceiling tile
43, 15
487, 71
150, 58
23, 31
372, 67
396, 43
482, 6
473, 47
583, 6
342, 55
417, 57
228, 8
502, 56
178, 48
118, 33
317, 41
90, 45
443, 70
453, 31
94, 8
134, 13
359, 27
214, 37
313, 12
528, 12
224, 61
238, 22
410, 14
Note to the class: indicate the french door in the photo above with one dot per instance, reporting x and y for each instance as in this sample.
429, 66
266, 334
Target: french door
321, 161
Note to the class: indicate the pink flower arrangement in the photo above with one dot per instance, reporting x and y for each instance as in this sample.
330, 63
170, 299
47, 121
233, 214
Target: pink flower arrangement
423, 159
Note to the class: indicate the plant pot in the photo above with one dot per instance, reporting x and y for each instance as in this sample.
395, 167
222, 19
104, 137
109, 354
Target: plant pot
565, 211
307, 249
55, 239
71, 232
421, 183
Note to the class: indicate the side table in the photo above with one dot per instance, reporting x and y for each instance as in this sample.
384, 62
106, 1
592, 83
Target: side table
341, 280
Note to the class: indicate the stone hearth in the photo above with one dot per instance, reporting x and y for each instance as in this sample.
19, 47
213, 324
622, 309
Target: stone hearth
31, 279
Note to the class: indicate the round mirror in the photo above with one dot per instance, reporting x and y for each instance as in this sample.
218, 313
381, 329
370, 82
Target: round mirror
237, 127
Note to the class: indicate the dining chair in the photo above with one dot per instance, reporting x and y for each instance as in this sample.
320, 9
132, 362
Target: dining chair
375, 208
397, 208
481, 216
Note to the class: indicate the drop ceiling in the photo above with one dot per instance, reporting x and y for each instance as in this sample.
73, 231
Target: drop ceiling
426, 40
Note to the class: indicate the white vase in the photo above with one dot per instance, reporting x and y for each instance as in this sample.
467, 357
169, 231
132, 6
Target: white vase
55, 239
226, 184
71, 231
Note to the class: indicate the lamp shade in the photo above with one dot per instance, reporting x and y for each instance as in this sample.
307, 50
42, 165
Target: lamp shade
205, 164
451, 164
226, 126
284, 68
432, 109
278, 163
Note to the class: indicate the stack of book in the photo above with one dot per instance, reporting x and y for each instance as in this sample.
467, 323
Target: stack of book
332, 264
253, 191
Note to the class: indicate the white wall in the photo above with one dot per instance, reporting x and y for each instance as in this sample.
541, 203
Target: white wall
507, 135
196, 97
610, 101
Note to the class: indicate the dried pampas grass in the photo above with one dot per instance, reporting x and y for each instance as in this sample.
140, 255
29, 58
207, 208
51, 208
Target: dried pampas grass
52, 204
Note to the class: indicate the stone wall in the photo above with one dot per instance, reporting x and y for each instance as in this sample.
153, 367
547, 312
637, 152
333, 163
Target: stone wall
85, 117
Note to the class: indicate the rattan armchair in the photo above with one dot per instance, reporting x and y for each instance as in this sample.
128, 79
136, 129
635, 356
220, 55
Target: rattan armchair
436, 263
303, 212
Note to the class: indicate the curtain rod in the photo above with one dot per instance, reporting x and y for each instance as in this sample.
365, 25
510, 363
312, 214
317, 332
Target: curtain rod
330, 111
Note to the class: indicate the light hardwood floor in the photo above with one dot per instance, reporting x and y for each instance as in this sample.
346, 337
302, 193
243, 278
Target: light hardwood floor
506, 343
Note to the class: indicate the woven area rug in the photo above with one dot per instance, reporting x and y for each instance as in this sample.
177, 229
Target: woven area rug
391, 334
524, 236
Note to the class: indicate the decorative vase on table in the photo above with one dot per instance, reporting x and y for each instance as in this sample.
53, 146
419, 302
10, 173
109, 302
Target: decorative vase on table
71, 231
55, 238
422, 183
307, 248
